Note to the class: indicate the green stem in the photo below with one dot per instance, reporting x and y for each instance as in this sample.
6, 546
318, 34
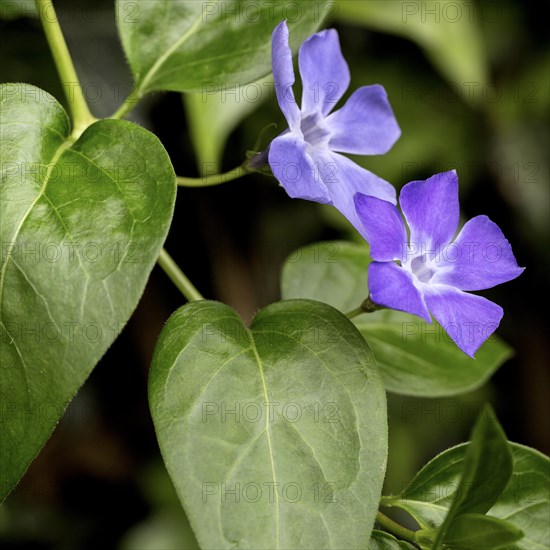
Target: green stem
127, 105
355, 312
368, 306
177, 276
80, 114
394, 528
215, 179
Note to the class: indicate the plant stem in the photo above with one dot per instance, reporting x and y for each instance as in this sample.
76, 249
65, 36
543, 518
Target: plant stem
177, 276
127, 105
215, 179
355, 312
80, 114
368, 306
394, 528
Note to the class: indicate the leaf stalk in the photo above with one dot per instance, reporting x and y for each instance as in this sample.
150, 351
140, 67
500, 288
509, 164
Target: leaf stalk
394, 528
215, 179
176, 275
78, 108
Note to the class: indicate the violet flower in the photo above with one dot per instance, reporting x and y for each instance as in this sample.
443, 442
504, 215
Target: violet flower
305, 158
436, 269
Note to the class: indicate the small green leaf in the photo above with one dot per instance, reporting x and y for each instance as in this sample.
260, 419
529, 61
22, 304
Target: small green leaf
487, 467
421, 360
186, 46
525, 502
481, 532
334, 272
274, 436
380, 540
214, 115
82, 225
447, 30
486, 470
414, 358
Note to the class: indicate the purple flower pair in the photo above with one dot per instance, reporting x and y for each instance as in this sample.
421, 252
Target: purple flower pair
427, 271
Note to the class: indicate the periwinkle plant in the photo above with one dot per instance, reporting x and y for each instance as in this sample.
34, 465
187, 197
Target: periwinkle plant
307, 470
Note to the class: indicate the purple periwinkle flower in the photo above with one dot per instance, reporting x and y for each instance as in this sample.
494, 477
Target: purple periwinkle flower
435, 269
305, 158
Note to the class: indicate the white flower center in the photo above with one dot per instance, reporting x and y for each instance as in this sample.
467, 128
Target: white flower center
423, 267
315, 130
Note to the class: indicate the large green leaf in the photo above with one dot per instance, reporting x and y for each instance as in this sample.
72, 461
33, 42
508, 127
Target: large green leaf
186, 45
82, 223
525, 502
414, 358
274, 436
449, 31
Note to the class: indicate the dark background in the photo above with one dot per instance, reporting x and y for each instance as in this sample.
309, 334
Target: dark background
99, 481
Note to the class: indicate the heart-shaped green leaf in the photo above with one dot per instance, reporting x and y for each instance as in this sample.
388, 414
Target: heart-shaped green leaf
274, 436
453, 42
414, 358
82, 226
525, 502
190, 46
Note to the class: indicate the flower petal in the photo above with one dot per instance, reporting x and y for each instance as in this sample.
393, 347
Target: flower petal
365, 125
468, 319
296, 170
383, 228
283, 75
344, 178
479, 258
393, 287
431, 209
324, 71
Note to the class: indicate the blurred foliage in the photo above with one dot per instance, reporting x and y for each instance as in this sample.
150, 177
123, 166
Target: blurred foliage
10, 9
213, 115
166, 527
448, 31
471, 95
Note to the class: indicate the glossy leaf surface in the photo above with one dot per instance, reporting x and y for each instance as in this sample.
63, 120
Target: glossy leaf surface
186, 45
82, 226
274, 436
